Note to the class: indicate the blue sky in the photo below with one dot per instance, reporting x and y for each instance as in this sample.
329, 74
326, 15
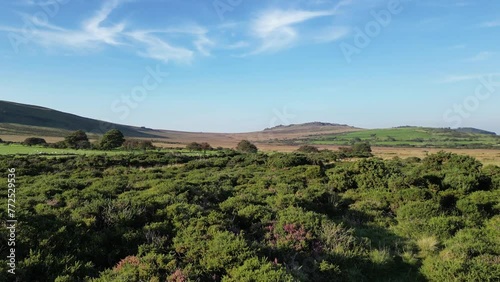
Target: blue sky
241, 65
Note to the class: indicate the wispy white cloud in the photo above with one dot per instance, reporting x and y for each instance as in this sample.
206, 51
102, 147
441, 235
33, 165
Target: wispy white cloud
52, 38
203, 44
332, 33
277, 28
95, 32
37, 22
238, 45
93, 26
271, 30
91, 35
158, 49
162, 49
38, 3
275, 20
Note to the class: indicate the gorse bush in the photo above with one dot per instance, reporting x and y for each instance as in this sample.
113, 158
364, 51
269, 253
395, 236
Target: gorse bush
132, 144
232, 216
194, 146
280, 160
33, 141
246, 147
308, 149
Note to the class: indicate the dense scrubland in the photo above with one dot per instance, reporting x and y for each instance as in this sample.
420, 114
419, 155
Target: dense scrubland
233, 216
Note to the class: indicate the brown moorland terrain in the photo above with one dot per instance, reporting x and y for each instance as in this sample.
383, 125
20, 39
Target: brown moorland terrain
269, 141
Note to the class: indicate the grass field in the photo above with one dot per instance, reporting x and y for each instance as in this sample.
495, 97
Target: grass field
17, 149
485, 156
412, 137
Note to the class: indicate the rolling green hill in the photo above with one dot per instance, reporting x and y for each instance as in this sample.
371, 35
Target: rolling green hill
413, 137
474, 130
16, 118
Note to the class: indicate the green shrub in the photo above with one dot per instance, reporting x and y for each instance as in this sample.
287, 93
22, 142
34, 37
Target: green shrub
372, 174
308, 149
341, 179
225, 251
413, 218
132, 144
287, 160
33, 141
254, 269
428, 245
246, 147
444, 227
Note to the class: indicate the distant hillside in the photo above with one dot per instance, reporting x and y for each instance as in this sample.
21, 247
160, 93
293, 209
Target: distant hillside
15, 115
315, 124
471, 130
22, 120
474, 130
411, 136
18, 121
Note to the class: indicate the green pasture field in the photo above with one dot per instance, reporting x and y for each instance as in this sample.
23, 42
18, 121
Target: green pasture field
18, 149
415, 137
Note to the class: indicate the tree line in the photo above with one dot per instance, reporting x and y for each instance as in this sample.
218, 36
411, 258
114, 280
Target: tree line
112, 139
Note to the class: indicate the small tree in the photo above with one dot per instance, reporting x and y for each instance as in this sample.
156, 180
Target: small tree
357, 150
308, 149
112, 139
362, 149
132, 144
77, 140
33, 141
246, 147
199, 147
193, 146
355, 140
206, 147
